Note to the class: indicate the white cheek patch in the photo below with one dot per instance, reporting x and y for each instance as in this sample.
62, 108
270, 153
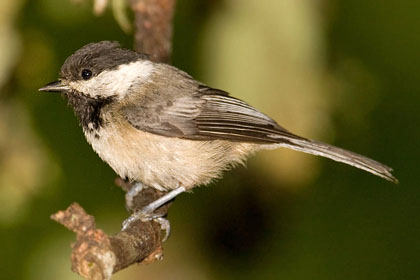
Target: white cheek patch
115, 82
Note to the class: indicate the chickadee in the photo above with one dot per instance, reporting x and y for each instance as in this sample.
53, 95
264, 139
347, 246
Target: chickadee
154, 124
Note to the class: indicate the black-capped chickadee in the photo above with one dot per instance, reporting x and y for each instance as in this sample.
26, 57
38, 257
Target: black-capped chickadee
154, 124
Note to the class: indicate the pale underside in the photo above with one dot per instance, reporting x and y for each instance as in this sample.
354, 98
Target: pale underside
166, 163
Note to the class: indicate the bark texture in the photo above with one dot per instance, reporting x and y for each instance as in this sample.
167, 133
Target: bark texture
153, 23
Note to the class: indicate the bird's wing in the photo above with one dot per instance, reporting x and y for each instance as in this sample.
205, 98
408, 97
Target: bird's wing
207, 114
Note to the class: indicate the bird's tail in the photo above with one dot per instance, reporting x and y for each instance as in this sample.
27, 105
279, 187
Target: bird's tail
340, 155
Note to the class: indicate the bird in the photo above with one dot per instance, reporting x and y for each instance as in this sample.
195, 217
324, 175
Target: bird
154, 124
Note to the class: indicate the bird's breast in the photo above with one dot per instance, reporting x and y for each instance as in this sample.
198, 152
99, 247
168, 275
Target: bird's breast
164, 162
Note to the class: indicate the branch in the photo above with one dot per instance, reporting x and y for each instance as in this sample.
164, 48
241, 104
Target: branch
96, 255
153, 21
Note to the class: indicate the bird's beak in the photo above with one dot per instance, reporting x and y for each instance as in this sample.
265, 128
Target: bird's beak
56, 86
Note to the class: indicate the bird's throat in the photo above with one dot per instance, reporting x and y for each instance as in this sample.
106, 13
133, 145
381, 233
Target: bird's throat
88, 110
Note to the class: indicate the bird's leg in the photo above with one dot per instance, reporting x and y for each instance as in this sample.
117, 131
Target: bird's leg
163, 200
131, 194
147, 212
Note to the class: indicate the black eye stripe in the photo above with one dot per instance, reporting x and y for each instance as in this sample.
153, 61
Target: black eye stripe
86, 74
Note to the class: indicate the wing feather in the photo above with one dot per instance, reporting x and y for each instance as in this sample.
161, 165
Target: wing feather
207, 114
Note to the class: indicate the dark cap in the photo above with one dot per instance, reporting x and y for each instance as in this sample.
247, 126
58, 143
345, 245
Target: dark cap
97, 57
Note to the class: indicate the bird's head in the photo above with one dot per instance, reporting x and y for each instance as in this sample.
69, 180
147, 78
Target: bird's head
101, 70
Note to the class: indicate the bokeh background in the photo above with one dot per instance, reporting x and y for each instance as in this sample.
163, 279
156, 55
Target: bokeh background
342, 71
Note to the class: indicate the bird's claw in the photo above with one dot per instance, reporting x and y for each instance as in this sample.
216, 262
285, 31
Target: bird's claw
146, 217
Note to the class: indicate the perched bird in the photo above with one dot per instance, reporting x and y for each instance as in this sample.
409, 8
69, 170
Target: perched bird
155, 124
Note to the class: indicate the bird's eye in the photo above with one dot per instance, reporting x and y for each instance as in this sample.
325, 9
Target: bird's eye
86, 74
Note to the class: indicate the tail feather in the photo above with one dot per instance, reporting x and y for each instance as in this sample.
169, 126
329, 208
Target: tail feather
340, 155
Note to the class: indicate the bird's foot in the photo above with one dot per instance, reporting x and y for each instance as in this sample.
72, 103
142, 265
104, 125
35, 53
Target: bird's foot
145, 216
148, 212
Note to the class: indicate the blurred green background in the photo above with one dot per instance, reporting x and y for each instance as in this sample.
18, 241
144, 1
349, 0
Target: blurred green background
342, 71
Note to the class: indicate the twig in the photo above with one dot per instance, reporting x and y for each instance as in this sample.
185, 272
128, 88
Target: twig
153, 21
96, 255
